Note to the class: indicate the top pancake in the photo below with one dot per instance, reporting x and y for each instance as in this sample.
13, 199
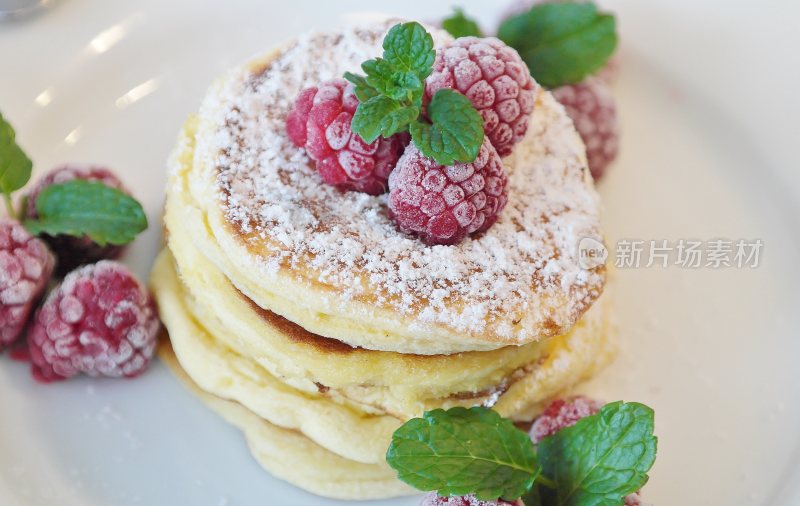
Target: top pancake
335, 263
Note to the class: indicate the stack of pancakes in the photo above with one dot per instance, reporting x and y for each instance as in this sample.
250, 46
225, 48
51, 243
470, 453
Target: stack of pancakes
304, 317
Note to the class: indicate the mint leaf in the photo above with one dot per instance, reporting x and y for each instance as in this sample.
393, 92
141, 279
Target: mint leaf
600, 459
389, 81
459, 25
407, 60
462, 451
549, 20
89, 208
561, 42
390, 100
15, 166
382, 116
362, 89
455, 133
409, 47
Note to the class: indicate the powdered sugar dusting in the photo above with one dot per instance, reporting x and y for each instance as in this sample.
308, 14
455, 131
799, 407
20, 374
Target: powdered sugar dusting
270, 191
434, 499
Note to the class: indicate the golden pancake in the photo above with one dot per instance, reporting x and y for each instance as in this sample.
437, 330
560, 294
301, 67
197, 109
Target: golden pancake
335, 264
303, 316
408, 383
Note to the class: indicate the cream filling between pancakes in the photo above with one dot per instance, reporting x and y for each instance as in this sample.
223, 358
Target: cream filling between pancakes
345, 427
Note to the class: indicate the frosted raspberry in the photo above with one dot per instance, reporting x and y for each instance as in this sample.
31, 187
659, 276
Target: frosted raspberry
442, 205
25, 267
75, 251
320, 122
591, 106
495, 79
100, 321
434, 499
563, 413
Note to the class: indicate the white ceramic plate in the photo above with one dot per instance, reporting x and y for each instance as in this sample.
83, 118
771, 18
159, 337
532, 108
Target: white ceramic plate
709, 151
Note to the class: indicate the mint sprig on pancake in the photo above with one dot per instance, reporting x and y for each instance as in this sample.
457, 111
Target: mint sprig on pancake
455, 129
408, 57
598, 461
391, 100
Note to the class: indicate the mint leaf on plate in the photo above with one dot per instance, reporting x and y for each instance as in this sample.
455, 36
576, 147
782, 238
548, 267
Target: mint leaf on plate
455, 133
409, 47
382, 116
561, 42
89, 208
600, 459
15, 166
462, 451
459, 25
